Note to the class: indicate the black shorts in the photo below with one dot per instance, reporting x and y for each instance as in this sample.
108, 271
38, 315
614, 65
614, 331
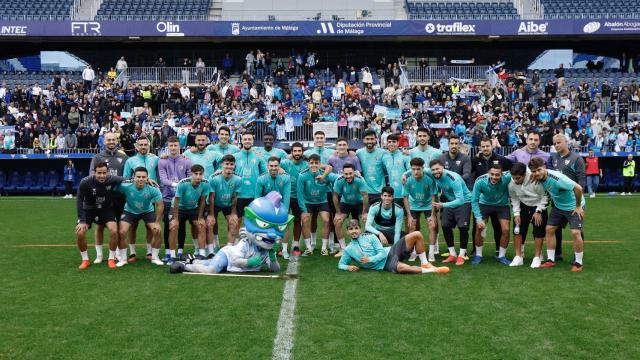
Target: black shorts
397, 253
560, 218
317, 208
458, 216
188, 215
295, 208
332, 208
131, 218
374, 198
226, 211
501, 211
416, 214
354, 210
118, 207
391, 235
526, 219
241, 204
98, 217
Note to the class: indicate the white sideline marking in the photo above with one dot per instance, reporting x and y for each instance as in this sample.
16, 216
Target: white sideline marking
283, 343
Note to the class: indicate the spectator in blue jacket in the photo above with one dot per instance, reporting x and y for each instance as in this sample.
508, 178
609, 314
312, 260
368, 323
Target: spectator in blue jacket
69, 179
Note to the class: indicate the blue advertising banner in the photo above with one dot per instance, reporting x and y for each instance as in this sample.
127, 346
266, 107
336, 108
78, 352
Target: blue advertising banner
46, 156
327, 29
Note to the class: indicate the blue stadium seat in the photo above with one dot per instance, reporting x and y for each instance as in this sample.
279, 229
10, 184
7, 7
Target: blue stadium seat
51, 183
3, 180
13, 182
27, 182
39, 182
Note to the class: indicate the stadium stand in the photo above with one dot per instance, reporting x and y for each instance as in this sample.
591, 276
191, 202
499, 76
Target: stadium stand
312, 10
476, 10
153, 10
37, 10
588, 9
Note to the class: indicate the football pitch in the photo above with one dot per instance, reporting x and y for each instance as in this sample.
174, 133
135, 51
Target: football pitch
50, 309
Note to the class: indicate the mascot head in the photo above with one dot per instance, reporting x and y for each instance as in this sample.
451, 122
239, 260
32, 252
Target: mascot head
267, 220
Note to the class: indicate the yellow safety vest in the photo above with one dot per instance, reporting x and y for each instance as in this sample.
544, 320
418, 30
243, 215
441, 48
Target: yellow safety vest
630, 169
146, 94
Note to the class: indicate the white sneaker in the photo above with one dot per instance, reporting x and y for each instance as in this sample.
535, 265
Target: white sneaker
623, 194
592, 195
536, 262
517, 261
432, 258
98, 260
155, 261
413, 256
121, 263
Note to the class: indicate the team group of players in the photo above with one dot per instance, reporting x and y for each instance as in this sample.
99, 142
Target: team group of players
387, 189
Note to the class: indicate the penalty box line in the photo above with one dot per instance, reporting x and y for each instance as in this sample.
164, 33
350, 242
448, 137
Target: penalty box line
283, 342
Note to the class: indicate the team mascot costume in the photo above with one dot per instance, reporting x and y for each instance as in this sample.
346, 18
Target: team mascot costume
265, 224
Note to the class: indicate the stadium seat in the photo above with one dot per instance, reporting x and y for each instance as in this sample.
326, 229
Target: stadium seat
3, 180
13, 182
39, 182
27, 182
51, 183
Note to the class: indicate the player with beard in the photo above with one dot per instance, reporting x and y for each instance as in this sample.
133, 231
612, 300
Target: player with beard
418, 192
455, 212
372, 165
248, 166
423, 150
567, 208
150, 162
349, 198
94, 204
115, 160
223, 197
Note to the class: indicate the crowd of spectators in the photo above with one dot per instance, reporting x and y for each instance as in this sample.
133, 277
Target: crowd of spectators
287, 94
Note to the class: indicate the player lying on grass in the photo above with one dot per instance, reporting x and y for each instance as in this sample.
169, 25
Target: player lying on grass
367, 252
265, 222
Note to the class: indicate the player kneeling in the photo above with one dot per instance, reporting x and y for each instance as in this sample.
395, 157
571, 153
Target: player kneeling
367, 252
264, 226
144, 202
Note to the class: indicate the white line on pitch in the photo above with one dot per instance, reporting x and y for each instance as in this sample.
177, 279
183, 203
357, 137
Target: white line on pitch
283, 343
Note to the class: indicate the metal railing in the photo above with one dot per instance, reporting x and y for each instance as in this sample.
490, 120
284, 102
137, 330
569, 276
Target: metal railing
9, 17
587, 15
158, 17
156, 75
432, 74
441, 16
302, 133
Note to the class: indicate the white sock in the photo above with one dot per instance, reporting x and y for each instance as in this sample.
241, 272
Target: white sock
180, 251
149, 248
313, 237
423, 258
432, 250
325, 242
342, 243
429, 270
502, 252
522, 250
579, 257
85, 255
154, 253
332, 237
99, 251
215, 241
210, 248
551, 255
132, 249
479, 250
195, 243
201, 252
452, 251
284, 249
463, 252
296, 243
172, 253
307, 242
112, 254
123, 254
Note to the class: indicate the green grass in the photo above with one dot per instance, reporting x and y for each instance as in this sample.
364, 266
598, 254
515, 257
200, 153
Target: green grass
52, 310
